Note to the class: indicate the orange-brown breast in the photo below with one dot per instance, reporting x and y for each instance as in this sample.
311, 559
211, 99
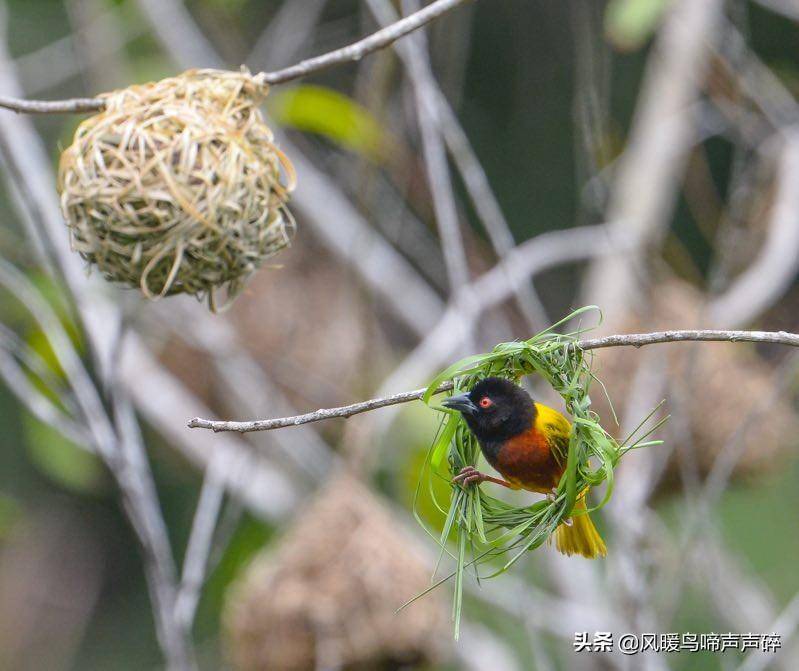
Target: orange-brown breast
528, 460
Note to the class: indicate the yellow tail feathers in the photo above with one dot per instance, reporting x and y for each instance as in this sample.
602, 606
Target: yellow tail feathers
581, 537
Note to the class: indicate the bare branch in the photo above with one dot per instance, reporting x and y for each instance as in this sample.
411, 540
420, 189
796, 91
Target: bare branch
199, 548
350, 53
115, 438
246, 386
71, 106
627, 340
131, 469
318, 415
642, 339
434, 153
355, 52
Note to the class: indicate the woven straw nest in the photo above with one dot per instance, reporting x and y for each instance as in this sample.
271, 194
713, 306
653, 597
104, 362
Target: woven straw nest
327, 598
715, 389
177, 185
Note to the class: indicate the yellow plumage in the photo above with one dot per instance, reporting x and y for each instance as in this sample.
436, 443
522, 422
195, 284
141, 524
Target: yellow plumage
550, 423
581, 537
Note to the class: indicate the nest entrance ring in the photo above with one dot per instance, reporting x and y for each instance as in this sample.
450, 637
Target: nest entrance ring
177, 185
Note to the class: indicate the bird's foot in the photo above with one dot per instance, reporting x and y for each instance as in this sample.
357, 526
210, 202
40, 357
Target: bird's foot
469, 475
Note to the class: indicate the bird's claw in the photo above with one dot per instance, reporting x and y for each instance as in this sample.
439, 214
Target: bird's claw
469, 475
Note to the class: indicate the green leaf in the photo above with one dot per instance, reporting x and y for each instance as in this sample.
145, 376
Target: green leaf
444, 439
316, 109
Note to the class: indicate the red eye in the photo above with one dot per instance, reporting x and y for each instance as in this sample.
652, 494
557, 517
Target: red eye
486, 402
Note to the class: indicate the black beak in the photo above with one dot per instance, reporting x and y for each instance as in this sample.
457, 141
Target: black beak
462, 403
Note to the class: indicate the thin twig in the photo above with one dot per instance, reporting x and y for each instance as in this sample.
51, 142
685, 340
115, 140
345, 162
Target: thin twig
351, 53
201, 542
247, 475
642, 339
71, 106
318, 415
434, 154
627, 340
131, 469
355, 52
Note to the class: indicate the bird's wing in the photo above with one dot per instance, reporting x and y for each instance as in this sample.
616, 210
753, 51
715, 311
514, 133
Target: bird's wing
556, 428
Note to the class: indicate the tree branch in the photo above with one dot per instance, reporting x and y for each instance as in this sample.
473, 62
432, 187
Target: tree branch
627, 340
641, 339
318, 415
71, 106
351, 53
355, 52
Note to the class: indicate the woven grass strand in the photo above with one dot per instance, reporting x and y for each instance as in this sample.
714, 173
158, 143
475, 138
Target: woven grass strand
177, 185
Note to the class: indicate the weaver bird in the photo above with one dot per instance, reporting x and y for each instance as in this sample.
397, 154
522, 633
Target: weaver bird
527, 443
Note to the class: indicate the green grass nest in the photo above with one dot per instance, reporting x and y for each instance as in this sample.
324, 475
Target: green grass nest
486, 529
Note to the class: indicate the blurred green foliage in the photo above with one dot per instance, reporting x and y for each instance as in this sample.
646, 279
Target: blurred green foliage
630, 23
317, 109
9, 512
56, 457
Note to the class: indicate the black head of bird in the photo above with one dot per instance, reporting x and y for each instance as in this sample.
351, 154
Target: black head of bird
495, 409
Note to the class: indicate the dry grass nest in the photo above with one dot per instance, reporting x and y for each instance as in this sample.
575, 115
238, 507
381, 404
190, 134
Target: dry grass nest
327, 598
177, 185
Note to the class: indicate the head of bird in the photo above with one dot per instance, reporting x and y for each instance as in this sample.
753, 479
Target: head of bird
495, 409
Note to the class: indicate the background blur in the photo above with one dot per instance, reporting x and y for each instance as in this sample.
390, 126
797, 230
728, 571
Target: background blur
642, 155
